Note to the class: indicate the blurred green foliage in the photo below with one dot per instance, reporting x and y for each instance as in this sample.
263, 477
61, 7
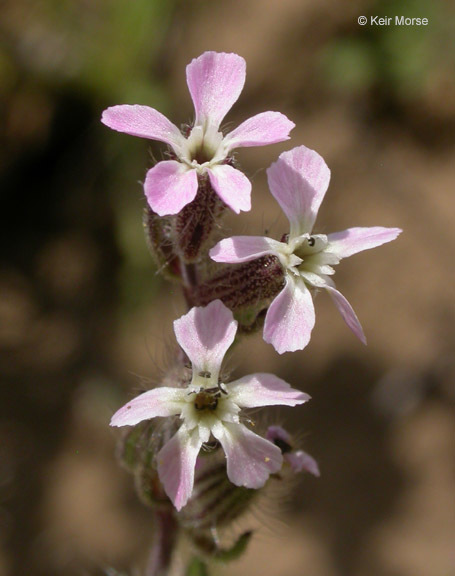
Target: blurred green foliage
106, 48
102, 53
398, 59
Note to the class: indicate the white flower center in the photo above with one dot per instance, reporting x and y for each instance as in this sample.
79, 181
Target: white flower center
307, 256
306, 246
203, 148
207, 406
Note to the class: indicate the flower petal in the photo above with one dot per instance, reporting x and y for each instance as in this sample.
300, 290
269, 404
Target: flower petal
354, 240
250, 458
244, 248
301, 461
215, 81
144, 122
346, 310
290, 318
176, 464
169, 186
298, 459
279, 433
232, 186
316, 280
299, 180
264, 390
157, 402
260, 130
206, 334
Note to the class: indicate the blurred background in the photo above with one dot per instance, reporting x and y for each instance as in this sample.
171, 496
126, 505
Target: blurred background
84, 318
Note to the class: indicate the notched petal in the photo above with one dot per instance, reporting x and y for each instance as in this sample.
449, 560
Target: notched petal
215, 81
244, 249
144, 122
176, 464
347, 312
232, 186
205, 334
290, 318
264, 390
163, 401
354, 240
260, 130
169, 186
250, 458
299, 180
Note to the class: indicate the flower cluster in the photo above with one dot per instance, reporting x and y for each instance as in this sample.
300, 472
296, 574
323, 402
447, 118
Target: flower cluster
236, 286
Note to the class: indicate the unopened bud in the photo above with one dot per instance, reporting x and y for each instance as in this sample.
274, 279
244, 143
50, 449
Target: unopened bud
158, 234
136, 451
296, 460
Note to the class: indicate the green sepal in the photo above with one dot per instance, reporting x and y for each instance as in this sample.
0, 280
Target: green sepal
197, 567
236, 550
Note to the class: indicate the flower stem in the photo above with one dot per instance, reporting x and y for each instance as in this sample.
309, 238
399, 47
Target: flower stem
164, 542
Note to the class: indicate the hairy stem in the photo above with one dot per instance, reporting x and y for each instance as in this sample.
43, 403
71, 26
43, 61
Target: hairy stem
164, 542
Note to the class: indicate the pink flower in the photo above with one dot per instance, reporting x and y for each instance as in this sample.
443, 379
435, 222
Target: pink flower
298, 181
215, 81
298, 460
209, 408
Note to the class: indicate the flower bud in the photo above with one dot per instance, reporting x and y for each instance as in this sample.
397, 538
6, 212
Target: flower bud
136, 452
295, 460
158, 234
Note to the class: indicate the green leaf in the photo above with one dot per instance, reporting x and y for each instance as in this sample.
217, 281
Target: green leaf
236, 550
197, 568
